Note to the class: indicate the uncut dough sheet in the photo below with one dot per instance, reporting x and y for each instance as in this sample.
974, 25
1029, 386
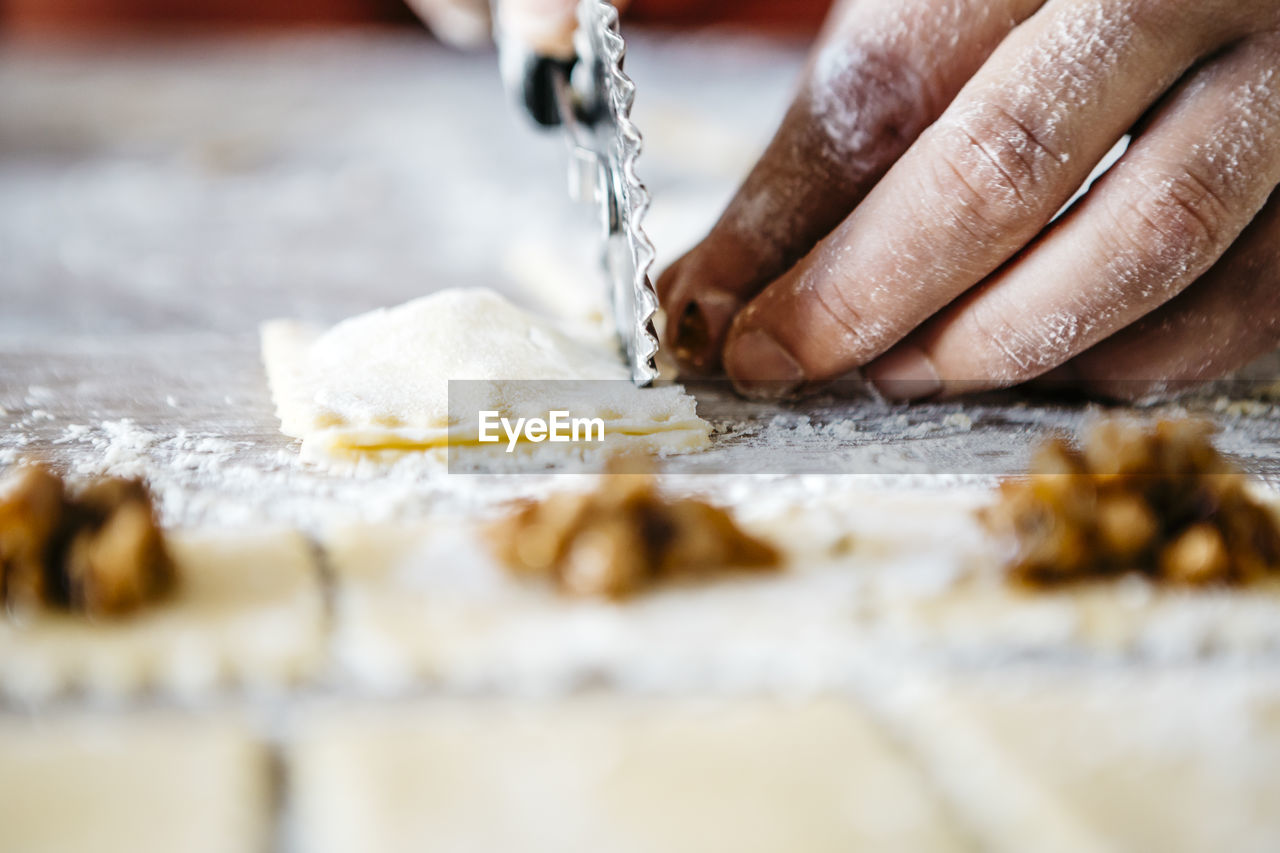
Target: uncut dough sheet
146, 783
247, 612
890, 577
377, 386
604, 775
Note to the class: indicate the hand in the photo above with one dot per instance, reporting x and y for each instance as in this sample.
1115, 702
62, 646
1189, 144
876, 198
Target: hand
461, 23
901, 221
546, 26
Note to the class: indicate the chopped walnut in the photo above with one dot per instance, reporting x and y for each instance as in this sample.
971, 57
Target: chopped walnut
95, 550
623, 537
1160, 501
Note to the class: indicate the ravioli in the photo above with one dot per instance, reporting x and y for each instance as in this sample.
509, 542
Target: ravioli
379, 385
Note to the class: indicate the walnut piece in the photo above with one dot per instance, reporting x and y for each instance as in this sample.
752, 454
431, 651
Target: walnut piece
95, 550
624, 537
1160, 501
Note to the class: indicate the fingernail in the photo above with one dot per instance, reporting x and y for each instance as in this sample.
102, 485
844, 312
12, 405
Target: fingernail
701, 329
904, 373
761, 368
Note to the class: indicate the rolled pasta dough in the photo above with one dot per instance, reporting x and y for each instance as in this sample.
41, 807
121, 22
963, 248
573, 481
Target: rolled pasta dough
377, 385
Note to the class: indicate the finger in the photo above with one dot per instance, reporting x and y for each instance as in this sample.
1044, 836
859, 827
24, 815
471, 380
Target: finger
462, 23
1228, 318
885, 69
1175, 202
545, 26
975, 188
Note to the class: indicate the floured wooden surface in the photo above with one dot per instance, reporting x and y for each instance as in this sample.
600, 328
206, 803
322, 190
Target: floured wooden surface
269, 179
193, 415
158, 203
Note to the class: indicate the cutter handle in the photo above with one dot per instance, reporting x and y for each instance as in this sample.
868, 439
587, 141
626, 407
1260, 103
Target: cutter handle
539, 78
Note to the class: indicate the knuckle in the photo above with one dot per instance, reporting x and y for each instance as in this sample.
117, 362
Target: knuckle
838, 331
868, 102
1163, 20
1177, 220
1205, 24
998, 166
858, 336
1011, 354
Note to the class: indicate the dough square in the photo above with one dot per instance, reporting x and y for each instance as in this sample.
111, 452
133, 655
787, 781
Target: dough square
592, 774
146, 783
426, 604
933, 586
247, 611
982, 618
1115, 759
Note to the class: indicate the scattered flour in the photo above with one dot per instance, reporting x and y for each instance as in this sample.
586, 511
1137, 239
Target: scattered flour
1235, 408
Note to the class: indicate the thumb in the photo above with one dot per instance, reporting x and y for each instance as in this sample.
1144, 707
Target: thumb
543, 26
461, 23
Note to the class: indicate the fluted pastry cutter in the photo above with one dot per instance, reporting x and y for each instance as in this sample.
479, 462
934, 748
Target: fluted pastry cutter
589, 97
